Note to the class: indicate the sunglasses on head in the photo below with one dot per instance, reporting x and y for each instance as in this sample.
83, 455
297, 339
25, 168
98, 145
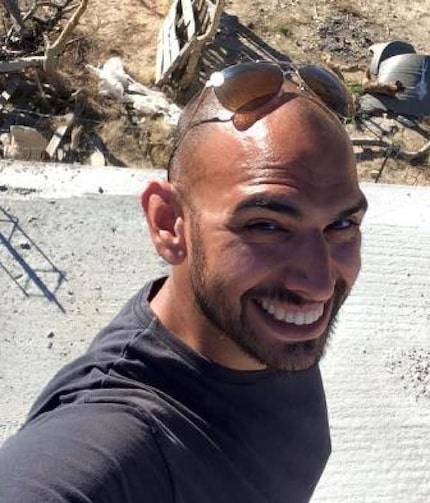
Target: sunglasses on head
251, 90
246, 87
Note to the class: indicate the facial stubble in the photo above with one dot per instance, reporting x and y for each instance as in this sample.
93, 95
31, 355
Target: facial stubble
210, 298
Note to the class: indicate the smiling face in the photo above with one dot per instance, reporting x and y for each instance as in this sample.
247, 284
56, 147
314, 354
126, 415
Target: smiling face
271, 226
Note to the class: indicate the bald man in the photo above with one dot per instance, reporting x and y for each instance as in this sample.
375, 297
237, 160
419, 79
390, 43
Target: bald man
206, 386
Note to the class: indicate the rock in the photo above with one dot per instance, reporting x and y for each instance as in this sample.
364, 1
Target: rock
26, 144
97, 159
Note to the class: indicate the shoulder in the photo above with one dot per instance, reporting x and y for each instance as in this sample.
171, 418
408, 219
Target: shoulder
86, 452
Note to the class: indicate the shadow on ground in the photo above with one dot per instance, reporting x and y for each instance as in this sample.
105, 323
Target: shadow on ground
25, 263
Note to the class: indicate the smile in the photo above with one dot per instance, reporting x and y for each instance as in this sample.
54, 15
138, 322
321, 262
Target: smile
294, 317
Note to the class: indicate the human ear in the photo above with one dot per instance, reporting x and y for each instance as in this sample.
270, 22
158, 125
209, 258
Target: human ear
165, 221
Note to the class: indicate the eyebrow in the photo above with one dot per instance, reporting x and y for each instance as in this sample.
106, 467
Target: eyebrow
361, 206
272, 203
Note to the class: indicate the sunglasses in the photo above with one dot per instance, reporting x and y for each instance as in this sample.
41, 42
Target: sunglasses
245, 87
251, 90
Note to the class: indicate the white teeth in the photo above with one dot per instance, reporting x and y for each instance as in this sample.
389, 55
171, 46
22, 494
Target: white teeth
279, 313
292, 317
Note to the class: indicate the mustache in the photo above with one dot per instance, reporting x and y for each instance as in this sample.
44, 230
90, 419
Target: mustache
284, 295
280, 294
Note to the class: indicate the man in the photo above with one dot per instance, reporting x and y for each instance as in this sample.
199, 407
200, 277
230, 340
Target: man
206, 387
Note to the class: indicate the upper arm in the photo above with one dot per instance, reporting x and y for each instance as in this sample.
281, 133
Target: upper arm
84, 453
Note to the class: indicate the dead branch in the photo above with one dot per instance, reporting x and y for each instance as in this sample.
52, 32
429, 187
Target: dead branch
339, 68
49, 61
21, 64
375, 87
15, 14
53, 51
407, 155
386, 88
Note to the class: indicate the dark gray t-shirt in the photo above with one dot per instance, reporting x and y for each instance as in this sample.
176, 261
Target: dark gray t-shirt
141, 418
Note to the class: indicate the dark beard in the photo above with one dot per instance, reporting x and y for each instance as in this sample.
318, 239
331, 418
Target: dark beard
210, 299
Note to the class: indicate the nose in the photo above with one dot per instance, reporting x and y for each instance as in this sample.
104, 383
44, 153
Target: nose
309, 269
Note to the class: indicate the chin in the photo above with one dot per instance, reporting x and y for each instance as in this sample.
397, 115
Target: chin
300, 356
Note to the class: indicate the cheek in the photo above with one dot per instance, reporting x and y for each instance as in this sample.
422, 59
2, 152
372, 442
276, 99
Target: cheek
347, 260
240, 265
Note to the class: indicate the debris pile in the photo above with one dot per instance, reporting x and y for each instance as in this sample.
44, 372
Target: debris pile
45, 114
116, 83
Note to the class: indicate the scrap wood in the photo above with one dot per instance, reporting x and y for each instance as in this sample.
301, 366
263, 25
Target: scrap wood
368, 83
49, 61
53, 51
15, 14
59, 134
407, 155
75, 137
188, 26
211, 22
339, 68
386, 88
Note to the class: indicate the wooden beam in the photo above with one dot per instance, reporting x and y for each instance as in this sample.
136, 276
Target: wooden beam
188, 13
59, 134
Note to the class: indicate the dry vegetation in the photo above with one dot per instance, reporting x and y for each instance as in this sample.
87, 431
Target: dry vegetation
305, 30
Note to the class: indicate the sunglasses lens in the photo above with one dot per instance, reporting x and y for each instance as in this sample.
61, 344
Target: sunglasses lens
328, 87
247, 85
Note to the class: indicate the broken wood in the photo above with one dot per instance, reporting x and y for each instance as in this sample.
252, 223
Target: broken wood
407, 155
188, 26
49, 61
210, 22
13, 8
53, 51
339, 68
385, 88
58, 135
187, 12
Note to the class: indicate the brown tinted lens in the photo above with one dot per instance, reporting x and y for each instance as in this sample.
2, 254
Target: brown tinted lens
248, 84
328, 87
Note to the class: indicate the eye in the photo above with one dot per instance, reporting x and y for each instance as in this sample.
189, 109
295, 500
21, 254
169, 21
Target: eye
263, 225
343, 224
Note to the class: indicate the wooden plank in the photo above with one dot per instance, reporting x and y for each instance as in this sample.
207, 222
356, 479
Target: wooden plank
159, 56
203, 17
214, 12
59, 134
166, 47
188, 13
163, 58
173, 42
182, 37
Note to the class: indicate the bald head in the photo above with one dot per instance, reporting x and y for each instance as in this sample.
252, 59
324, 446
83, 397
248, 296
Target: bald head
207, 134
257, 222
